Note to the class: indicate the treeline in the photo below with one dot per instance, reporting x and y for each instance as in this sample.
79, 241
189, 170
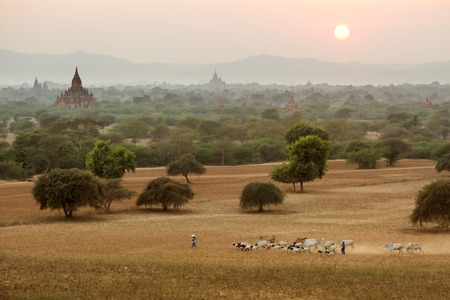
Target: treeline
224, 127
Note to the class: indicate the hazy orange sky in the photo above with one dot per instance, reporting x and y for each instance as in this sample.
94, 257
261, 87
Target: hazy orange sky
215, 31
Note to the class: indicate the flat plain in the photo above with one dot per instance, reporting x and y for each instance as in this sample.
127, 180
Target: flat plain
144, 253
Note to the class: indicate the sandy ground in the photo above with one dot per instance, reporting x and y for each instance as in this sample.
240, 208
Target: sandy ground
371, 207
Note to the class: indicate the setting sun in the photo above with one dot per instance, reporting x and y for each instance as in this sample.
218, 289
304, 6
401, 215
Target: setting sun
341, 32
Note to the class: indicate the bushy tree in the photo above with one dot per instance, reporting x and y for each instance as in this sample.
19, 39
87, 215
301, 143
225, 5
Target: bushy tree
28, 152
433, 204
299, 130
185, 165
114, 191
259, 194
440, 150
392, 150
443, 163
133, 130
166, 192
109, 161
68, 189
308, 158
271, 113
394, 131
160, 132
282, 173
366, 158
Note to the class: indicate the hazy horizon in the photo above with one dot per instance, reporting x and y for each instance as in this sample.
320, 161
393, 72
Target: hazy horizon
206, 32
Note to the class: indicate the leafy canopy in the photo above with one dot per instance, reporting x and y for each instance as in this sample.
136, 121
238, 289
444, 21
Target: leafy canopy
166, 192
433, 204
113, 190
299, 130
109, 161
392, 150
259, 194
282, 173
68, 189
443, 163
185, 165
308, 158
366, 158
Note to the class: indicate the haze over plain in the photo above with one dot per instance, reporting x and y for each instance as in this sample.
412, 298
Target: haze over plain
212, 32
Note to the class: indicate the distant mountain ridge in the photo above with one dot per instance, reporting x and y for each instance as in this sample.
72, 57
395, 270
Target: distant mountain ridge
97, 69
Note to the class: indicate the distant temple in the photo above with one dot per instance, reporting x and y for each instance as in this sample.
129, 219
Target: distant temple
291, 105
76, 96
427, 104
216, 81
37, 87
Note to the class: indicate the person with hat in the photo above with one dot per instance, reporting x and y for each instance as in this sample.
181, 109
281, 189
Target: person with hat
194, 241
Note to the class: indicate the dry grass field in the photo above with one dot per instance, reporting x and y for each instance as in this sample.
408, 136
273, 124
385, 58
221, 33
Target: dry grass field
144, 253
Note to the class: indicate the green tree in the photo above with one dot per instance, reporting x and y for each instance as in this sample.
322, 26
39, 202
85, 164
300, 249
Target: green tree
57, 149
68, 189
225, 137
271, 113
21, 125
356, 146
166, 192
443, 163
282, 173
185, 165
28, 152
395, 131
114, 191
160, 132
109, 161
440, 150
433, 204
259, 194
308, 158
265, 128
392, 150
366, 158
337, 129
303, 129
294, 117
77, 129
208, 130
133, 130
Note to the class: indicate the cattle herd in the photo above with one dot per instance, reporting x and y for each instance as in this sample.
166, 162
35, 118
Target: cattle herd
323, 247
409, 247
300, 245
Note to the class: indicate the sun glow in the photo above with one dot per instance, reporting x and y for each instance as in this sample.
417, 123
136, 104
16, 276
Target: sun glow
341, 32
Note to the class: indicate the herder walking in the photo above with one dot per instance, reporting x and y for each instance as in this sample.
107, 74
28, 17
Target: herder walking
343, 248
194, 241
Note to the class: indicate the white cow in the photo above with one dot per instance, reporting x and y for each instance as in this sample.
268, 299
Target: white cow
262, 244
281, 243
395, 246
325, 244
331, 248
414, 247
309, 243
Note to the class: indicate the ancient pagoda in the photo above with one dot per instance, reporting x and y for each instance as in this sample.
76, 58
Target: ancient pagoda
76, 96
291, 105
427, 104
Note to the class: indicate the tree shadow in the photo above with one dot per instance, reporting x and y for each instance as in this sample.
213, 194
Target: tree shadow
156, 210
267, 212
419, 231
